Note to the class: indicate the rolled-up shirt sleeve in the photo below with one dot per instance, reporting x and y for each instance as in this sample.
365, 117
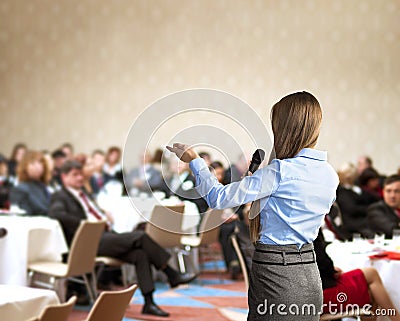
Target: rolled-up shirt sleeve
262, 183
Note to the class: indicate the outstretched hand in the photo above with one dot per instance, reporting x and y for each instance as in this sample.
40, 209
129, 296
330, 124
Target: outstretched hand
184, 152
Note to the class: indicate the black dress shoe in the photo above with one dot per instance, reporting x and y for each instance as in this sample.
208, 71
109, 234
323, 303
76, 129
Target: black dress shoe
153, 309
234, 268
182, 278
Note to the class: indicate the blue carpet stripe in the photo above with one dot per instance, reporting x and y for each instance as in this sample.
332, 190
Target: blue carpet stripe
244, 311
177, 302
201, 291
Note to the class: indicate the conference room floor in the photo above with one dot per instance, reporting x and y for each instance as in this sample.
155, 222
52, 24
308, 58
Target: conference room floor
207, 300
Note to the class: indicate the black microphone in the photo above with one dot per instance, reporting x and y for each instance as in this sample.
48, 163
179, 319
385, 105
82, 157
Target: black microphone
257, 159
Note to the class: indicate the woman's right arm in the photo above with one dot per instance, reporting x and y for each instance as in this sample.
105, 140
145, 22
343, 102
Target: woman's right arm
262, 183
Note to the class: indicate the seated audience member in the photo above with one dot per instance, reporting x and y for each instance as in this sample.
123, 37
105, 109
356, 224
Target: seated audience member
181, 183
98, 180
17, 154
361, 286
236, 171
238, 223
32, 194
68, 150
334, 222
207, 157
5, 183
243, 236
157, 160
227, 228
59, 157
71, 205
52, 186
369, 181
88, 170
363, 163
112, 166
352, 202
234, 174
144, 178
384, 216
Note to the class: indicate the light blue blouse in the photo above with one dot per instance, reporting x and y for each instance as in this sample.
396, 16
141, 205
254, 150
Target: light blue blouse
295, 194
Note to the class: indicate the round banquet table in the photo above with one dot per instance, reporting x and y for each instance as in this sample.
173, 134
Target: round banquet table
29, 239
19, 303
349, 256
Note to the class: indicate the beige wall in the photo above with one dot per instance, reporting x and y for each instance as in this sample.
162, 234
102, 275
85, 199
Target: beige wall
81, 71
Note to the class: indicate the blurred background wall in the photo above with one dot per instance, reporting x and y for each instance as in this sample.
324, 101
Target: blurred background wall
82, 71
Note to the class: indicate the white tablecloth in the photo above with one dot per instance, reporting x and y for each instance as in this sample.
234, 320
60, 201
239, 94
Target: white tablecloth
18, 303
29, 239
349, 256
126, 216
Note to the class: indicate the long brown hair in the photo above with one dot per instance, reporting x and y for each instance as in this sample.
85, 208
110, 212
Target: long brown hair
296, 122
17, 147
29, 157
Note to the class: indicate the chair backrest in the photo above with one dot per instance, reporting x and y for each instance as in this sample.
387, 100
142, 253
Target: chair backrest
334, 222
210, 226
58, 312
241, 259
111, 305
84, 247
162, 222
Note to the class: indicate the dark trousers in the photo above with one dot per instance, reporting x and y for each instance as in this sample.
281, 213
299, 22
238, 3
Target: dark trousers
226, 230
243, 238
136, 248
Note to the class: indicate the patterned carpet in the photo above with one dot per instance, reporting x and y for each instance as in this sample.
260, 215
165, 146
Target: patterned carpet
208, 298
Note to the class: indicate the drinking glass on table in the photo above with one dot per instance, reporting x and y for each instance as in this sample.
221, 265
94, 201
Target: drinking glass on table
357, 243
379, 239
396, 237
357, 239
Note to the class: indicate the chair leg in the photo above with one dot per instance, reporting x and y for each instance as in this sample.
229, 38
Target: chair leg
30, 277
101, 267
94, 285
201, 266
124, 273
60, 288
89, 288
181, 261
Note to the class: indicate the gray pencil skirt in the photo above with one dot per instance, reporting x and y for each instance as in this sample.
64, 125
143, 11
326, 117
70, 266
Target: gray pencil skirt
284, 284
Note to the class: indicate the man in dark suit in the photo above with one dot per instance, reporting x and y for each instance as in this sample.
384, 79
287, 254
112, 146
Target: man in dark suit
71, 205
181, 183
384, 216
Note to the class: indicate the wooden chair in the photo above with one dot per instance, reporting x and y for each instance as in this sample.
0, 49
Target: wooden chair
209, 232
165, 219
104, 261
165, 238
81, 261
242, 261
111, 305
58, 312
